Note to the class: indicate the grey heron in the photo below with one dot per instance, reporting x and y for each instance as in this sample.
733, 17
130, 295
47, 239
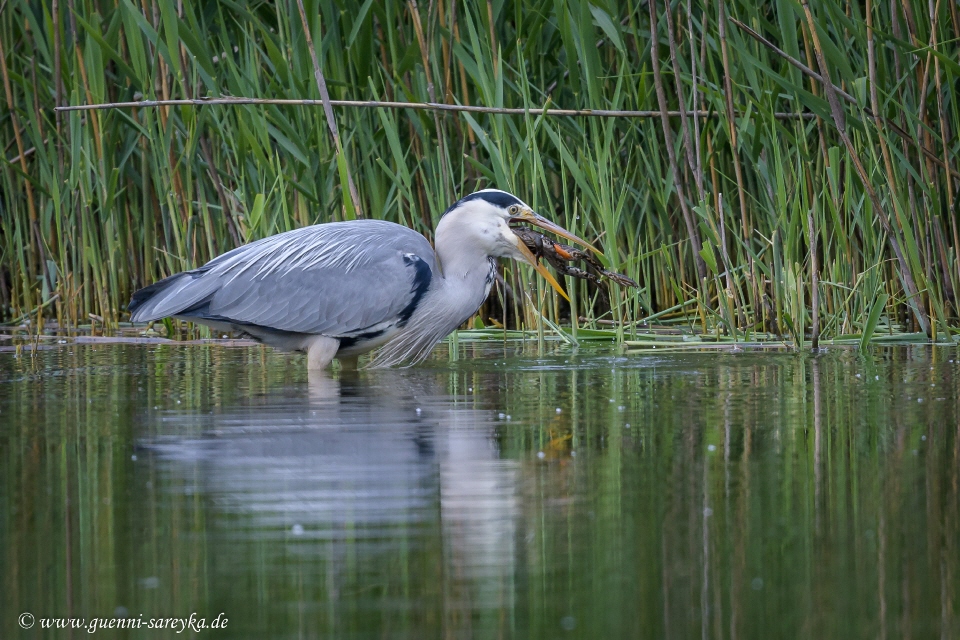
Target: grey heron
341, 289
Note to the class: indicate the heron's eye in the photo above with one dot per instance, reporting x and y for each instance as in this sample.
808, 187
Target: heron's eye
514, 210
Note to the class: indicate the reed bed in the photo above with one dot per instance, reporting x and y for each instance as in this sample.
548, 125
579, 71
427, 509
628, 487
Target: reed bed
793, 176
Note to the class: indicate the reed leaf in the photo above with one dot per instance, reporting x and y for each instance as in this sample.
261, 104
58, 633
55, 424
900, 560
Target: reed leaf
94, 205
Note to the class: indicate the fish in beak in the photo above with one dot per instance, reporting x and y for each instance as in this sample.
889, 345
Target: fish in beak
529, 217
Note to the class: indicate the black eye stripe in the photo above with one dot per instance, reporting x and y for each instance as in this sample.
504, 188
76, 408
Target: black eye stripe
497, 198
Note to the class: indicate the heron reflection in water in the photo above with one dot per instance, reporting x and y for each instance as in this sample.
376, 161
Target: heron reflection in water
341, 289
366, 460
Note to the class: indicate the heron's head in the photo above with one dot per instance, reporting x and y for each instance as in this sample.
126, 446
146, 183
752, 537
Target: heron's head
482, 222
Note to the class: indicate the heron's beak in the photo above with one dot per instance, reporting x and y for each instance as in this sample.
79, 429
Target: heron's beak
532, 259
530, 217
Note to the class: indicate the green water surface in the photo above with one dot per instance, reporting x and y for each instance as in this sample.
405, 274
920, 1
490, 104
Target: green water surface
506, 494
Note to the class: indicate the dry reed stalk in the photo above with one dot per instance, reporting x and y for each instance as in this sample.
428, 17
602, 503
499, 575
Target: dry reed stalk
421, 106
493, 39
814, 283
464, 89
328, 111
31, 206
806, 70
692, 162
944, 137
909, 285
431, 91
445, 53
58, 80
735, 147
692, 232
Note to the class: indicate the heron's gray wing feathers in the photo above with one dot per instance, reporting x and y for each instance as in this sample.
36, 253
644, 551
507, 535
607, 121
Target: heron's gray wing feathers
337, 279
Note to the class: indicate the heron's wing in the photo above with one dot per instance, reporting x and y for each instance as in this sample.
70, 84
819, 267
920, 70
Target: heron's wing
338, 279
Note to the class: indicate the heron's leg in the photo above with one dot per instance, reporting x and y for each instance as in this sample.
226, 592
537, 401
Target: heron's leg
320, 352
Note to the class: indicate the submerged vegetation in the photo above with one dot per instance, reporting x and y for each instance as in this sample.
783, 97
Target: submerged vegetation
797, 176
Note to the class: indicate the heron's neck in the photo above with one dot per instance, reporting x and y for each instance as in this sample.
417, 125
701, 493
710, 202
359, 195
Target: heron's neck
466, 269
462, 263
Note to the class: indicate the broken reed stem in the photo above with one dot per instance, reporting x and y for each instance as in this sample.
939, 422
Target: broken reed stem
422, 106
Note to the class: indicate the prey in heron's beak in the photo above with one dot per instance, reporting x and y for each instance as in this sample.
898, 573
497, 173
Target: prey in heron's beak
528, 216
532, 218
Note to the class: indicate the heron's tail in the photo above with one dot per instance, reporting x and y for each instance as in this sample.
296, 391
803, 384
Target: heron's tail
170, 297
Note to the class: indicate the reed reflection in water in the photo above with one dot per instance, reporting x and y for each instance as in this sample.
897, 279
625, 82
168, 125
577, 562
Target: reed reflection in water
506, 494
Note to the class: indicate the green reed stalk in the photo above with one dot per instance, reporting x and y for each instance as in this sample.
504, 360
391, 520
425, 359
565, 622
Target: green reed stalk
864, 195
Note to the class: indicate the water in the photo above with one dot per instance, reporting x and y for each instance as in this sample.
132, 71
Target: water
582, 495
